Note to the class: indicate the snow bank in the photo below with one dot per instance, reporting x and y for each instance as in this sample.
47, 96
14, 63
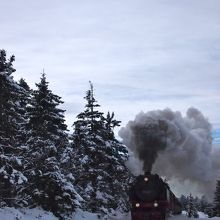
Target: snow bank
39, 214
81, 215
25, 214
201, 216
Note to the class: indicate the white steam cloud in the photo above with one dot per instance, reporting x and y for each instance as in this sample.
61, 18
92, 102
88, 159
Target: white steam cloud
176, 147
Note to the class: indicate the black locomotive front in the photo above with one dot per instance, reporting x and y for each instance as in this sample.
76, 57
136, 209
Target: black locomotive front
150, 198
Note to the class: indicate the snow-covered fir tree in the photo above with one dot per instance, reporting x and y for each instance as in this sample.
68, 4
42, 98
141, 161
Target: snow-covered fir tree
45, 118
47, 138
191, 209
100, 175
203, 204
217, 199
11, 176
25, 98
206, 206
196, 202
26, 95
184, 201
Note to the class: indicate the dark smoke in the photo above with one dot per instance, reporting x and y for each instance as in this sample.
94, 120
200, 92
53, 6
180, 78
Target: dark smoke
147, 137
174, 146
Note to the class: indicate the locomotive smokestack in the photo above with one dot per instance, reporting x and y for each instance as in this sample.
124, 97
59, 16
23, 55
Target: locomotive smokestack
147, 173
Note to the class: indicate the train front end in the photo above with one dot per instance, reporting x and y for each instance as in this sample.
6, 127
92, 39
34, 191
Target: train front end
148, 198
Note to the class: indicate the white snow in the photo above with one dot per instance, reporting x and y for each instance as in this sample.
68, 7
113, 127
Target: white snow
81, 215
25, 214
39, 214
202, 215
184, 217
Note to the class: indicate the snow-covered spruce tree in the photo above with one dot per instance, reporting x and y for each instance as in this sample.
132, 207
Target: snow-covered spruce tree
11, 176
203, 204
196, 202
191, 209
25, 98
100, 175
190, 206
217, 200
47, 138
45, 118
184, 201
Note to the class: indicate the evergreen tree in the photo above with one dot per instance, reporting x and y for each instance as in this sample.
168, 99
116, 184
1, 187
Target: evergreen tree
11, 177
26, 95
47, 139
217, 199
110, 124
99, 159
196, 202
45, 118
90, 121
191, 209
190, 206
184, 202
204, 203
25, 98
209, 210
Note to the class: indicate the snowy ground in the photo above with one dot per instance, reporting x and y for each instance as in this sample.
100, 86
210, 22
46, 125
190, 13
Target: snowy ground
28, 214
39, 214
201, 216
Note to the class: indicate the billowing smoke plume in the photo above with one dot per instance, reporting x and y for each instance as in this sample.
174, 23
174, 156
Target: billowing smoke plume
174, 146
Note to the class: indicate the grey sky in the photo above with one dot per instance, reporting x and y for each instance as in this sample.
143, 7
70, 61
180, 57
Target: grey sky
140, 55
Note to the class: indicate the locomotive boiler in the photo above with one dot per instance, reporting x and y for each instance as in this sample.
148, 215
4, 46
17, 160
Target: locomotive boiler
152, 199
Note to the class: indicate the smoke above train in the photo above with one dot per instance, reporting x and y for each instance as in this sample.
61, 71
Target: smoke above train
175, 146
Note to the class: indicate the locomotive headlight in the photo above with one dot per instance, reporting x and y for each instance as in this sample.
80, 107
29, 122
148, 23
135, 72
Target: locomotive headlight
156, 204
145, 179
137, 205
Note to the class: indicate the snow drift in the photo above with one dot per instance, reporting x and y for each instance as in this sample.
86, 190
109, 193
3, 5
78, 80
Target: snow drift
174, 146
7, 213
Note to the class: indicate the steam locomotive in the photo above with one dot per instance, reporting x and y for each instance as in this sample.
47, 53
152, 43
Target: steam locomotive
152, 199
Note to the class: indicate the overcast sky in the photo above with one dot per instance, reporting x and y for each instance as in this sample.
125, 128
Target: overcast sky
140, 55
